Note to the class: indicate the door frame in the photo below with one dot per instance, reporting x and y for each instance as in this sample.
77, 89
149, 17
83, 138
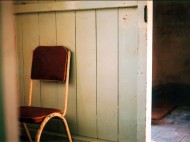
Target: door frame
144, 77
8, 84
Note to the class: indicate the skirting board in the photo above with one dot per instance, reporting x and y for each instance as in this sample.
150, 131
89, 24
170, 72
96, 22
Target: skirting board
60, 136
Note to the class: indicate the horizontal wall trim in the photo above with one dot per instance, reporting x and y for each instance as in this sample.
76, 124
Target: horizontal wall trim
72, 5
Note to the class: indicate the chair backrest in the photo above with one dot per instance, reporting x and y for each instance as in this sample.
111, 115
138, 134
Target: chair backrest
49, 63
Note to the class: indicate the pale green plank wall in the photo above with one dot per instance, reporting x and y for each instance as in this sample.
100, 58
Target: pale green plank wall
103, 86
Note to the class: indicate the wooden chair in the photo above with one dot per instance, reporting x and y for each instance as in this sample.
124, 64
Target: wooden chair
49, 63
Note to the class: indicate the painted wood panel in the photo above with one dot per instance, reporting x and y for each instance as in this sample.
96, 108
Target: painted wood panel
23, 2
30, 42
86, 72
128, 47
47, 36
107, 74
143, 79
66, 37
20, 68
148, 80
71, 5
45, 1
49, 89
107, 69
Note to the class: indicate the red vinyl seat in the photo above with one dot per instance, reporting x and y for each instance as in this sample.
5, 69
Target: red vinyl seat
30, 114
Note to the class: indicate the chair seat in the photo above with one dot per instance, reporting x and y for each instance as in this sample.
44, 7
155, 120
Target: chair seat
30, 114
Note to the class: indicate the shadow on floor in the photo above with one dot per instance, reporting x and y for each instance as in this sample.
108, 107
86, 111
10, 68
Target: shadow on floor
175, 127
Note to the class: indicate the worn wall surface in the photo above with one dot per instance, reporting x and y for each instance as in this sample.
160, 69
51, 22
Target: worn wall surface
171, 51
171, 43
107, 93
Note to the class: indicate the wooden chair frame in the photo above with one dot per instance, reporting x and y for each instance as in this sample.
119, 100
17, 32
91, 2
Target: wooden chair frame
52, 115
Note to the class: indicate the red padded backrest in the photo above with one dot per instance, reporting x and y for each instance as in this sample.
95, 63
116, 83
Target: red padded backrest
49, 63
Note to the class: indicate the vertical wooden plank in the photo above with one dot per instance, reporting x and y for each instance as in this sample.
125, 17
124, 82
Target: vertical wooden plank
49, 89
30, 42
20, 69
144, 81
149, 55
66, 37
47, 36
128, 46
107, 74
86, 72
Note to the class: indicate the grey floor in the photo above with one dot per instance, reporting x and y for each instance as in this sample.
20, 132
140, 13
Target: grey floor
175, 127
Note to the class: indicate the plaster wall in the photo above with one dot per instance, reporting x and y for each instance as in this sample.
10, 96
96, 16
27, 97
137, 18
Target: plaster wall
171, 52
171, 43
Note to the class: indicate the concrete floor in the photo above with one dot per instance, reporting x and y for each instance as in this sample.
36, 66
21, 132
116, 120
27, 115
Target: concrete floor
175, 127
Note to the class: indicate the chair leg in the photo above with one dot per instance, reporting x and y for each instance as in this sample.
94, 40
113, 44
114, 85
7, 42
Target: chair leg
67, 129
39, 132
27, 132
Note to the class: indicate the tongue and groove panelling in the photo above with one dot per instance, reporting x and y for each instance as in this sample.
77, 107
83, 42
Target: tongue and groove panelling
102, 94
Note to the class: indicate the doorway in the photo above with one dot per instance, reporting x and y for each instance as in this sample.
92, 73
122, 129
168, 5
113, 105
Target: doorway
171, 72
